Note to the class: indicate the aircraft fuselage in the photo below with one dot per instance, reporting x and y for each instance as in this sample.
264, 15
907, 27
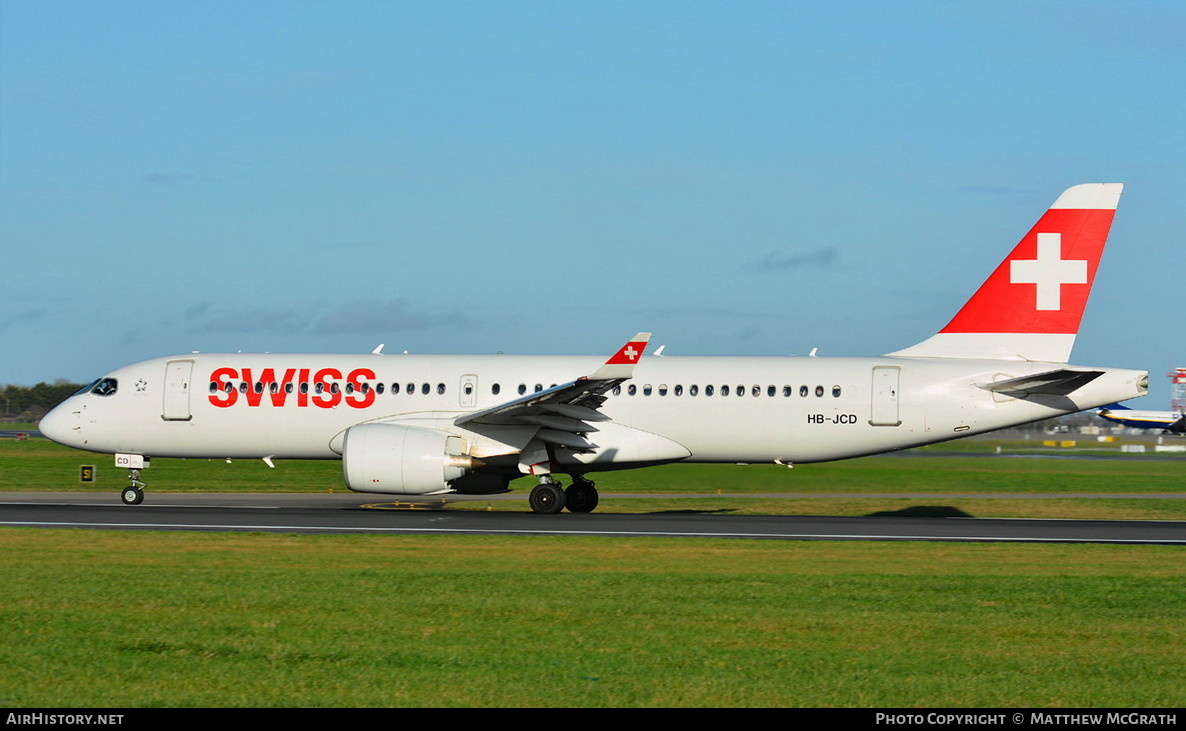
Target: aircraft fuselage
695, 408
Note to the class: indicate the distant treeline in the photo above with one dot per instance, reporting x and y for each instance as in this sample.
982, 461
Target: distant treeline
30, 403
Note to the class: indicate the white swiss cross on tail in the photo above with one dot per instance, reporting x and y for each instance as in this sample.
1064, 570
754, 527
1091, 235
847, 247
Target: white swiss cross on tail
1049, 272
621, 364
1030, 307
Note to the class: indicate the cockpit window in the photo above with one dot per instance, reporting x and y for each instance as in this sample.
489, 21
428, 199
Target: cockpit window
87, 388
105, 387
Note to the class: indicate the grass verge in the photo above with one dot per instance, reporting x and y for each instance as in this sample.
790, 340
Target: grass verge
104, 619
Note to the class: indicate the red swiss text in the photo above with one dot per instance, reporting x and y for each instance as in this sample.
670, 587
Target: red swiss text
302, 387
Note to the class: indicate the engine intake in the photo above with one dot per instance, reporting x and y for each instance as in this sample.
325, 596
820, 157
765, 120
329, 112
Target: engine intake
403, 460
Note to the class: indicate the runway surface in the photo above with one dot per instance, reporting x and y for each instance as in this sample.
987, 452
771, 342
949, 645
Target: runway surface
362, 514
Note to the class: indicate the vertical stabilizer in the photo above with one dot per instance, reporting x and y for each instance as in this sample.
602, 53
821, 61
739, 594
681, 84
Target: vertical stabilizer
1031, 306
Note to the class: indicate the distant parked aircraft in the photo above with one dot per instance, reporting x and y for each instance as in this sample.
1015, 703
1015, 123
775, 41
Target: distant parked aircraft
1170, 421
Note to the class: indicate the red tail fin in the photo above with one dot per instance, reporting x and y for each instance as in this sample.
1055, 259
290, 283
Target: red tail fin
1030, 307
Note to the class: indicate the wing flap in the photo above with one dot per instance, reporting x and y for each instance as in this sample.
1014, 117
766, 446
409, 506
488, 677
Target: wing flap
561, 413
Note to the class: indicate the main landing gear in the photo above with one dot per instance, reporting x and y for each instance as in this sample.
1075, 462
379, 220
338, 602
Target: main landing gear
133, 494
549, 497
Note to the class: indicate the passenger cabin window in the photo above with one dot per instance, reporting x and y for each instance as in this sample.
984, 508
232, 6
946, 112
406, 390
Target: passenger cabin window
835, 392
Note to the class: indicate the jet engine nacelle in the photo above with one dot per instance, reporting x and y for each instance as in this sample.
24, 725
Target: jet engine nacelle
402, 460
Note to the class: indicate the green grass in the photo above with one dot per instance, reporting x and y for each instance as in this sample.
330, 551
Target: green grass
108, 619
101, 619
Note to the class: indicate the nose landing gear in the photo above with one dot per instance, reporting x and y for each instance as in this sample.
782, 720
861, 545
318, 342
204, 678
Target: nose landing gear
133, 494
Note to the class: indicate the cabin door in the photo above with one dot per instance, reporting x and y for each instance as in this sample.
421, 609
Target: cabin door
885, 396
178, 374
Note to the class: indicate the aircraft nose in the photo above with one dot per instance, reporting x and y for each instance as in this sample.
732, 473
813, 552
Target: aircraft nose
62, 425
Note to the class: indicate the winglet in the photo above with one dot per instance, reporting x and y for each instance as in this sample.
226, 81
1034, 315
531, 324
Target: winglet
621, 364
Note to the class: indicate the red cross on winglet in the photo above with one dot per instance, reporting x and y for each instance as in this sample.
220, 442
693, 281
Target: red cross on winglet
621, 364
630, 352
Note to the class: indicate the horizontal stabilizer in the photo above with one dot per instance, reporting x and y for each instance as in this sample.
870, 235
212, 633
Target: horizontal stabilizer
1051, 383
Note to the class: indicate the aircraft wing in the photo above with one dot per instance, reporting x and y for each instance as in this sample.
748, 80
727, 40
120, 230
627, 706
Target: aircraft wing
1061, 382
563, 412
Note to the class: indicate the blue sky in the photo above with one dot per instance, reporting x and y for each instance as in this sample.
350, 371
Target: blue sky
551, 177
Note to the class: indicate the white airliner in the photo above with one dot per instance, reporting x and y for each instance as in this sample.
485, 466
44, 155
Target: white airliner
438, 424
1173, 422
